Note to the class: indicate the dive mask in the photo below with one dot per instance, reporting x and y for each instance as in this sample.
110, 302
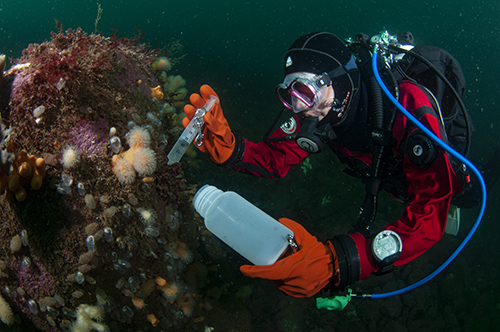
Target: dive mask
301, 91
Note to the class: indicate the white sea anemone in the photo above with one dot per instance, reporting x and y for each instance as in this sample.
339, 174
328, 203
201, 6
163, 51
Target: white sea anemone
70, 156
162, 63
5, 312
124, 172
138, 137
144, 161
147, 216
89, 318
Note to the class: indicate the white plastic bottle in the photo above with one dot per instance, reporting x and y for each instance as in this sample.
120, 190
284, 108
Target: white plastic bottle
248, 230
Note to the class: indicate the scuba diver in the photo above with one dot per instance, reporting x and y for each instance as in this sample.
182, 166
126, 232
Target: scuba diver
335, 104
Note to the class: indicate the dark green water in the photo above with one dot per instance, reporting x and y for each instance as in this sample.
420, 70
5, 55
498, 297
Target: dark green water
238, 46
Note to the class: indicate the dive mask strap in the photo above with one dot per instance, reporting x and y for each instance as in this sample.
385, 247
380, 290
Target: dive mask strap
342, 70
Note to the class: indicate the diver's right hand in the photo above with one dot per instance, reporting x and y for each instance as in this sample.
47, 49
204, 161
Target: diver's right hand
303, 273
218, 141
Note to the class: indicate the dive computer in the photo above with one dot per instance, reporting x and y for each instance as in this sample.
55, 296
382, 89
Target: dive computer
386, 248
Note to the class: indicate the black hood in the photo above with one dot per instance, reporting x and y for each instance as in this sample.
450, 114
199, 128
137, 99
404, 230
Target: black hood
323, 52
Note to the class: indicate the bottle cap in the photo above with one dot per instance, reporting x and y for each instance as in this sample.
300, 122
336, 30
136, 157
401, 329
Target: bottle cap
204, 198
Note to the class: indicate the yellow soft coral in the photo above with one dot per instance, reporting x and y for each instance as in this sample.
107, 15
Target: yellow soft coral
156, 92
26, 168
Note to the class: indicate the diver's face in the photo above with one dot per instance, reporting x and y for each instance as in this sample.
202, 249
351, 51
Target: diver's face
322, 107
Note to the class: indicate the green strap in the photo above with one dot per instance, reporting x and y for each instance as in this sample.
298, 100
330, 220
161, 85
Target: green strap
334, 302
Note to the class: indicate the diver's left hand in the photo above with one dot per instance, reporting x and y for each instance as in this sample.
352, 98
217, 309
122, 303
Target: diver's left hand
303, 273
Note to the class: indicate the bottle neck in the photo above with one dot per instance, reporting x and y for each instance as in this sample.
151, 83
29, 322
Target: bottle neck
204, 198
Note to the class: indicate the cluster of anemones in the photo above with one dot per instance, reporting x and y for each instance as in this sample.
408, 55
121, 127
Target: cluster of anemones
139, 159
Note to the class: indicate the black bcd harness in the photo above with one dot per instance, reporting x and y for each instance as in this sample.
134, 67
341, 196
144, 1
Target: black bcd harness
440, 76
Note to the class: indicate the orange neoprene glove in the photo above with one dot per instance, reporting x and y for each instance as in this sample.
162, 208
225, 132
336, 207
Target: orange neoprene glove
218, 141
303, 273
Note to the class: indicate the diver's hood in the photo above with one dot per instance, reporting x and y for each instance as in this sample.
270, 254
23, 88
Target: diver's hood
323, 52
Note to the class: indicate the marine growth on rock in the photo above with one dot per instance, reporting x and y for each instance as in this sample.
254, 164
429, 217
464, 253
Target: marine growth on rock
97, 236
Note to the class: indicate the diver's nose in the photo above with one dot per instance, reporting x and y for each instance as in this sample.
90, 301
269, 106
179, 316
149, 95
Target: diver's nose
298, 105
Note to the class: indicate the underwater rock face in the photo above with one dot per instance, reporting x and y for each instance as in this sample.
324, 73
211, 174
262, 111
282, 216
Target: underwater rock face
89, 244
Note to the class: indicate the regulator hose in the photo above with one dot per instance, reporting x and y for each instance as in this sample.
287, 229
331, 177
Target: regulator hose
455, 154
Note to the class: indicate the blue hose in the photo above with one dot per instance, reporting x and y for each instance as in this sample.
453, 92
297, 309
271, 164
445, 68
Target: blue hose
454, 153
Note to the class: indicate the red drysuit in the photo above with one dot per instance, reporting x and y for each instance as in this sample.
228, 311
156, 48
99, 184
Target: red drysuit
430, 189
